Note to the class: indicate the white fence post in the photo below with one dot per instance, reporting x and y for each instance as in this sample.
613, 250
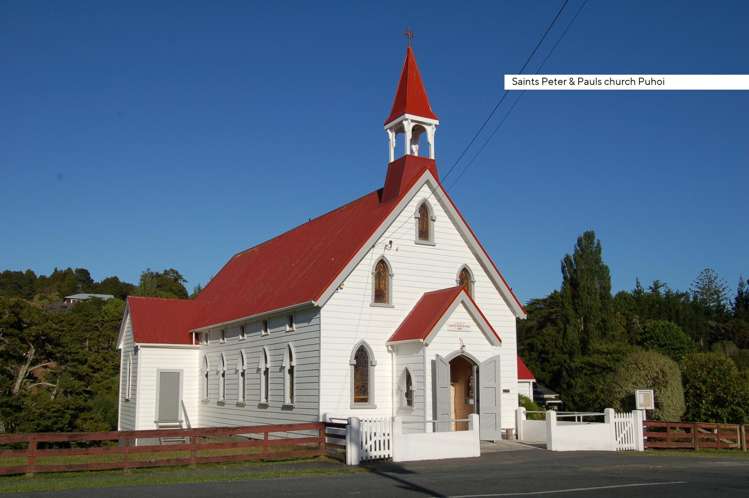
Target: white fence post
395, 437
639, 421
353, 441
551, 423
608, 419
519, 419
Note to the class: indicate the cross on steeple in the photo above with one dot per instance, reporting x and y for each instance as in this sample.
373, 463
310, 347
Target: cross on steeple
410, 35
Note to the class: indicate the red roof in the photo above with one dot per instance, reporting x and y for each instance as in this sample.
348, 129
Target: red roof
428, 311
293, 268
410, 97
524, 372
161, 321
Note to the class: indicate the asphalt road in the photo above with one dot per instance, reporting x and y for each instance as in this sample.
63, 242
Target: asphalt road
517, 473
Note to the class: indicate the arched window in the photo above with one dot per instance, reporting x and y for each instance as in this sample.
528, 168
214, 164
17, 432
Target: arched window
362, 376
382, 283
264, 368
204, 373
242, 377
465, 280
222, 378
424, 223
289, 362
408, 389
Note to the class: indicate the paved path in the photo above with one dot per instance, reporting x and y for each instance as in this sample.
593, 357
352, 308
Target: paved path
497, 474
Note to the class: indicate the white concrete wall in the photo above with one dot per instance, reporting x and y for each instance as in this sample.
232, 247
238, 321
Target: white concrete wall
150, 360
568, 436
436, 445
349, 317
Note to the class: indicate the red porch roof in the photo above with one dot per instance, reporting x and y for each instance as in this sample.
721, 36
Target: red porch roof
524, 373
428, 311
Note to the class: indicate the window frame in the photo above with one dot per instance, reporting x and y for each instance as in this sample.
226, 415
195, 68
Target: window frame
471, 289
129, 376
289, 375
222, 378
430, 224
242, 378
372, 363
264, 371
242, 332
205, 384
390, 278
290, 322
222, 336
265, 327
408, 377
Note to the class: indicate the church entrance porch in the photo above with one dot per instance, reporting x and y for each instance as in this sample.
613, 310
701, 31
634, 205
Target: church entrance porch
462, 391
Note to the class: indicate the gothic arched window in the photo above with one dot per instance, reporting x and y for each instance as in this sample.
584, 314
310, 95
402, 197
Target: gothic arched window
289, 376
362, 377
222, 378
465, 280
382, 283
264, 368
424, 223
204, 372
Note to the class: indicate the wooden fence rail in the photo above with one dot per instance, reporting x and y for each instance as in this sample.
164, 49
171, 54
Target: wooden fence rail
132, 449
695, 436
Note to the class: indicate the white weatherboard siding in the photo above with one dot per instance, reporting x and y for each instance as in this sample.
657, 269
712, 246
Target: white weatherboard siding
349, 317
411, 356
150, 361
126, 421
525, 387
305, 339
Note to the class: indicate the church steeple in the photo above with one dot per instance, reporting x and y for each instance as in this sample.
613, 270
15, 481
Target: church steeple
411, 113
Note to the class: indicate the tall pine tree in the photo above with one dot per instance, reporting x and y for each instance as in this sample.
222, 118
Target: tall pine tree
586, 295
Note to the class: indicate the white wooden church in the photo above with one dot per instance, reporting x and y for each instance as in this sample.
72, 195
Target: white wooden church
388, 305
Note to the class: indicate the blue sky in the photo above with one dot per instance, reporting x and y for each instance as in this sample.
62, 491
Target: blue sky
174, 134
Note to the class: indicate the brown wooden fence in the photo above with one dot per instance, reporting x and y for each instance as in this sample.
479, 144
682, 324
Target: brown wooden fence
131, 449
695, 436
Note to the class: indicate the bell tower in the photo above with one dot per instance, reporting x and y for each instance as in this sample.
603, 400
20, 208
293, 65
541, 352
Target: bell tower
411, 114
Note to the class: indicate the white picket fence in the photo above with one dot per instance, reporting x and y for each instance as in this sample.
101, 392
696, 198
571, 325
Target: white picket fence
626, 433
376, 438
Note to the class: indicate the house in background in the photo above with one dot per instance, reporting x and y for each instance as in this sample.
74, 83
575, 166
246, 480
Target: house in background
77, 298
526, 379
388, 305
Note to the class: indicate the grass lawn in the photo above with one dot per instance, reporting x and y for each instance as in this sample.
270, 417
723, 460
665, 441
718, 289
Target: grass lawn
320, 466
711, 453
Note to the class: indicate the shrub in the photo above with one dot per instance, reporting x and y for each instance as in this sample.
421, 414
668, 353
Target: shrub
715, 391
667, 338
650, 370
530, 406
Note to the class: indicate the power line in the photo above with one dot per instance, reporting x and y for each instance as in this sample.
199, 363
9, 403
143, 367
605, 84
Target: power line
509, 111
535, 49
504, 95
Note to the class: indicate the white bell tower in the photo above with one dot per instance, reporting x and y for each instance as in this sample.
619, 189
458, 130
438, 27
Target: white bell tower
411, 114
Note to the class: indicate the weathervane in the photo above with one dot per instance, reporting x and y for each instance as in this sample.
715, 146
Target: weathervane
410, 35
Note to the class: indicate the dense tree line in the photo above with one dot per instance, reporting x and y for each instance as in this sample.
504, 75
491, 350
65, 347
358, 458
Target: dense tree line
59, 365
595, 348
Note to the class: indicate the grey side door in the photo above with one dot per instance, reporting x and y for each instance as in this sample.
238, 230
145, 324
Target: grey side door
490, 396
169, 396
442, 394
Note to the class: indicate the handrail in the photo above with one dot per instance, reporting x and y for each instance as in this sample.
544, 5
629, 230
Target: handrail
445, 420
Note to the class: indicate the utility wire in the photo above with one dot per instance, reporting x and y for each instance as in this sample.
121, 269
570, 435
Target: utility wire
515, 102
504, 95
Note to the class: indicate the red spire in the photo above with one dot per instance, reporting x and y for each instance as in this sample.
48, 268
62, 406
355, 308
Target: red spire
410, 97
